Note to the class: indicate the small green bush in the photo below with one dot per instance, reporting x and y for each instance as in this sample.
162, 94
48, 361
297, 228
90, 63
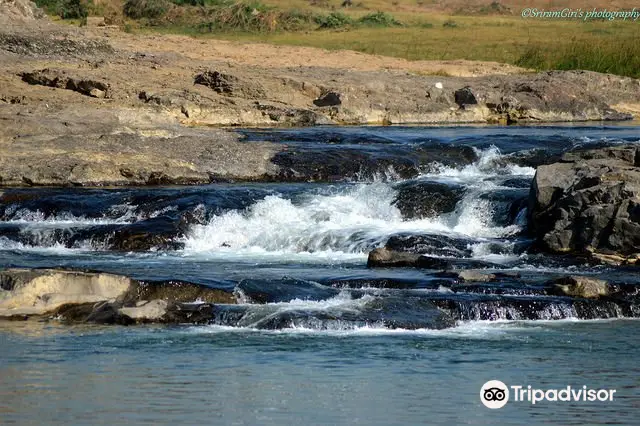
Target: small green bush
251, 16
379, 19
49, 6
72, 9
149, 9
334, 20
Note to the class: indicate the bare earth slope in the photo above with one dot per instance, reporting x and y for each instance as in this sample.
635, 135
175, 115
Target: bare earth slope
98, 106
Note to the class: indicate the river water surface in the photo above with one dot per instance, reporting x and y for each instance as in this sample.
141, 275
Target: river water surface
320, 338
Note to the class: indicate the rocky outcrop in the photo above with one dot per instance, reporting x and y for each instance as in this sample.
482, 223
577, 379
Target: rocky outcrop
60, 80
95, 297
588, 203
230, 85
95, 148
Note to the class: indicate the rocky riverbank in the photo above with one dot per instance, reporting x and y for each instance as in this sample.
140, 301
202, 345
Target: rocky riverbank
101, 107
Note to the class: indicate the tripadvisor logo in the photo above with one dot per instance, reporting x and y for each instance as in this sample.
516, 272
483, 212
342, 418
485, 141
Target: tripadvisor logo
495, 394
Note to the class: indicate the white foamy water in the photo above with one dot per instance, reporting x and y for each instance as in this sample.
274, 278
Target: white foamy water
476, 330
63, 219
489, 164
351, 221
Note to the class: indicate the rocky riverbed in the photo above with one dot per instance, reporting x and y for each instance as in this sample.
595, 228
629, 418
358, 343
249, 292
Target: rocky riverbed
447, 225
461, 213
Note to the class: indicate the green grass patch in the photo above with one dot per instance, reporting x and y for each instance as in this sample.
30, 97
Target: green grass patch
614, 56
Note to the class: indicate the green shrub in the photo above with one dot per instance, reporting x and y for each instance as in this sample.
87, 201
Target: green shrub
379, 19
149, 9
49, 6
250, 16
66, 9
334, 20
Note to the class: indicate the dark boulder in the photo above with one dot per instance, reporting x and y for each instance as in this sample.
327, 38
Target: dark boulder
506, 204
417, 199
434, 244
588, 203
156, 233
464, 97
328, 99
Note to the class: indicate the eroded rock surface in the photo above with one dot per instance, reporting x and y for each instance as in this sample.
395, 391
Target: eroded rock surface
589, 202
97, 297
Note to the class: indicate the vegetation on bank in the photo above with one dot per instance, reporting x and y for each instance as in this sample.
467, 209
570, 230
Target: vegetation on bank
489, 33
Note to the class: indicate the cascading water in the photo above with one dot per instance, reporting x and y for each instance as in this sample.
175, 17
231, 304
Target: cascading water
303, 246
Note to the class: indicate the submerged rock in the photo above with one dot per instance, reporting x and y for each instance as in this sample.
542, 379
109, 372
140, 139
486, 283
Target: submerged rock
384, 312
285, 290
476, 276
588, 203
156, 233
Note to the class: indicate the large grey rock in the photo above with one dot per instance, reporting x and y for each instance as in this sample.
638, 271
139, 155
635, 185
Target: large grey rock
588, 203
69, 148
